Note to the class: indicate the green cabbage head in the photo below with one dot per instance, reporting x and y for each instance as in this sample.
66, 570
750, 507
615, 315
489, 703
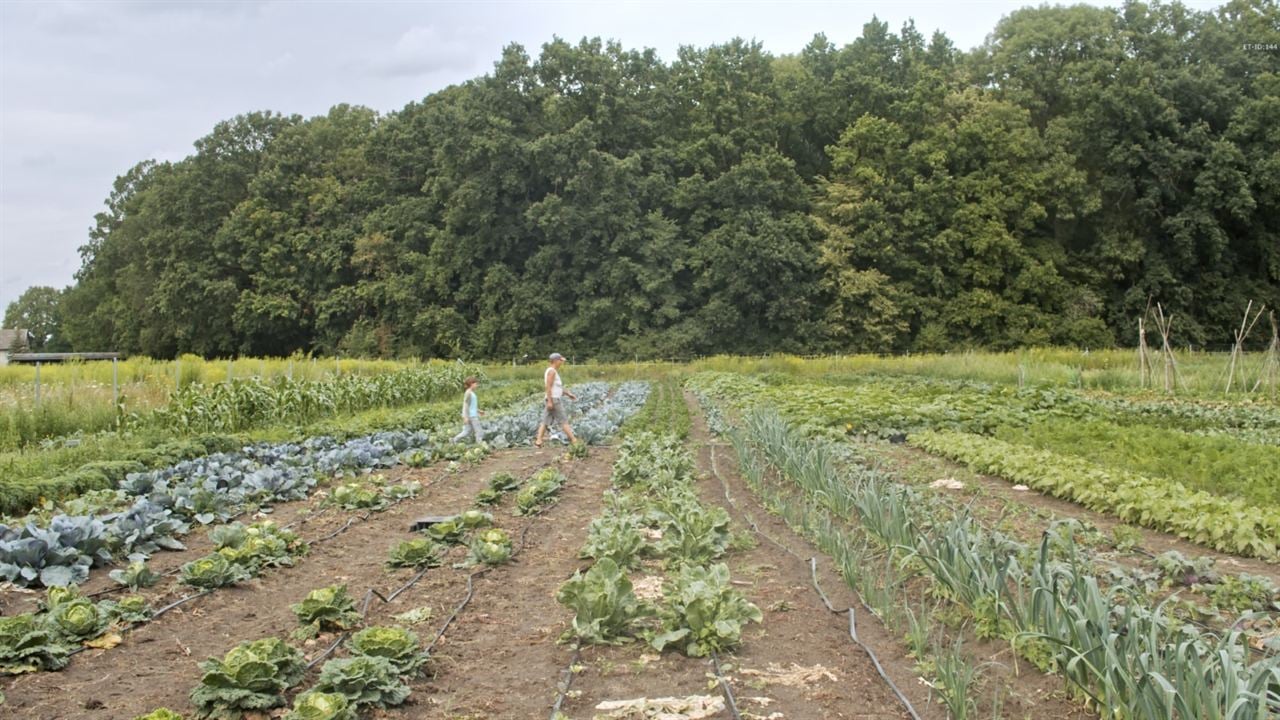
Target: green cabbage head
399, 646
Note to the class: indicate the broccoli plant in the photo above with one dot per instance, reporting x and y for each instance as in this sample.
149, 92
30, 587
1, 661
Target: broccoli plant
252, 676
603, 604
703, 613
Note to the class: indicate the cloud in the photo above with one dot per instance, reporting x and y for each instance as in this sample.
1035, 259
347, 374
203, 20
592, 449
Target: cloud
424, 49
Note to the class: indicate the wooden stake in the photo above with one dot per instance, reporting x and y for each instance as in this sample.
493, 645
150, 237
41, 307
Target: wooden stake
1238, 349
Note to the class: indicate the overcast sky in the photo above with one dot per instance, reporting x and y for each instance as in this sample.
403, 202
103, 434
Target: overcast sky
87, 90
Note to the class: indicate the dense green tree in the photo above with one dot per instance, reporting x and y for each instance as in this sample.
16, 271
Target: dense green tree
890, 194
38, 310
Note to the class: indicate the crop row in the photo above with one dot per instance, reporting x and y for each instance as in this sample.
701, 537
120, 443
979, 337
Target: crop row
957, 426
150, 510
1128, 660
653, 512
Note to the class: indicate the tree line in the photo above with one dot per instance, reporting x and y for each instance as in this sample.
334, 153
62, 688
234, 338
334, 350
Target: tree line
894, 194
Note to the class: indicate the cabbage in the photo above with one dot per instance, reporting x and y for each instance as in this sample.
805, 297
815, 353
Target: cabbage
135, 575
316, 705
447, 531
327, 608
364, 681
491, 547
212, 571
399, 646
252, 676
28, 645
419, 552
130, 609
161, 714
78, 619
472, 519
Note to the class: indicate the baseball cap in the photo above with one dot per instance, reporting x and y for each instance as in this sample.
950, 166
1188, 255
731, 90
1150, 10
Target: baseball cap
557, 356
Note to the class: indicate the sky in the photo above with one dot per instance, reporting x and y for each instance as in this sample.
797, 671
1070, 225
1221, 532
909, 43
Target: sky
87, 90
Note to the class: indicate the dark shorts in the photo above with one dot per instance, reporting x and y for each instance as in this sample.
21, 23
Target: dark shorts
555, 414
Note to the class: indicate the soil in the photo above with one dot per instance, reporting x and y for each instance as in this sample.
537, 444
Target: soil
498, 657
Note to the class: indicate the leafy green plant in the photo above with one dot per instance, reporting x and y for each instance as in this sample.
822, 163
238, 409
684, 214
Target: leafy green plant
1125, 537
538, 491
472, 519
316, 705
491, 547
357, 496
693, 534
252, 676
1245, 593
615, 536
449, 532
398, 646
1179, 570
327, 609
27, 644
212, 571
415, 553
702, 612
259, 546
364, 681
135, 575
605, 608
578, 450
503, 482
129, 609
78, 619
160, 714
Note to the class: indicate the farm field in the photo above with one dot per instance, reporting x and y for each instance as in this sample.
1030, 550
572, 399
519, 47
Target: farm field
804, 541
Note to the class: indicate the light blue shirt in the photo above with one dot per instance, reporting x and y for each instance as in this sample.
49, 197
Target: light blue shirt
472, 403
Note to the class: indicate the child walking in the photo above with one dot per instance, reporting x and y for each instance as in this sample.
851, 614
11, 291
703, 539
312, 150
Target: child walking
470, 412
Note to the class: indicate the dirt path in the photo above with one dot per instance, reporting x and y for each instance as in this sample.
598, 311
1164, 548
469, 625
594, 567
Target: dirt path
156, 665
500, 659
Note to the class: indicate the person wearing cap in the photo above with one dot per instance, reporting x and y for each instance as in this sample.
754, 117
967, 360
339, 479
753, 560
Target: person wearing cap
554, 396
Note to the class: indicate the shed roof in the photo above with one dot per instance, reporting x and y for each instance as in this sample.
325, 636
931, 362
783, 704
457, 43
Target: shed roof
12, 339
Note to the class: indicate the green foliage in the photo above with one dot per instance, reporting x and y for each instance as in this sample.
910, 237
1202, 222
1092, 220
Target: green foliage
398, 646
78, 619
605, 609
213, 571
491, 547
538, 491
693, 534
252, 676
416, 553
28, 644
160, 714
316, 705
1228, 525
327, 608
472, 519
617, 537
365, 681
447, 532
1245, 593
258, 546
135, 575
38, 310
702, 612
128, 609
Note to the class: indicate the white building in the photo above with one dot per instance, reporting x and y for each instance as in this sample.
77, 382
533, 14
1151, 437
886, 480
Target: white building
13, 341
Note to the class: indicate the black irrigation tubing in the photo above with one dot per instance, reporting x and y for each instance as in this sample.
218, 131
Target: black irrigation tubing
471, 591
813, 567
566, 681
724, 687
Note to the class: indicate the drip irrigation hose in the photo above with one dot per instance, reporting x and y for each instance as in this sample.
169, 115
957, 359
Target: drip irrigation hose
813, 568
566, 681
724, 687
176, 603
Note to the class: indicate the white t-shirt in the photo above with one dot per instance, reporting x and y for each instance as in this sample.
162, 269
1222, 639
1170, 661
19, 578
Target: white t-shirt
557, 389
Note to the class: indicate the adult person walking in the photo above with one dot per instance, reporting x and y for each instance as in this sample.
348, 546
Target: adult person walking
555, 393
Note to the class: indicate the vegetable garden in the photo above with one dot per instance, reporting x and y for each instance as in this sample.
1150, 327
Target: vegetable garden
722, 545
